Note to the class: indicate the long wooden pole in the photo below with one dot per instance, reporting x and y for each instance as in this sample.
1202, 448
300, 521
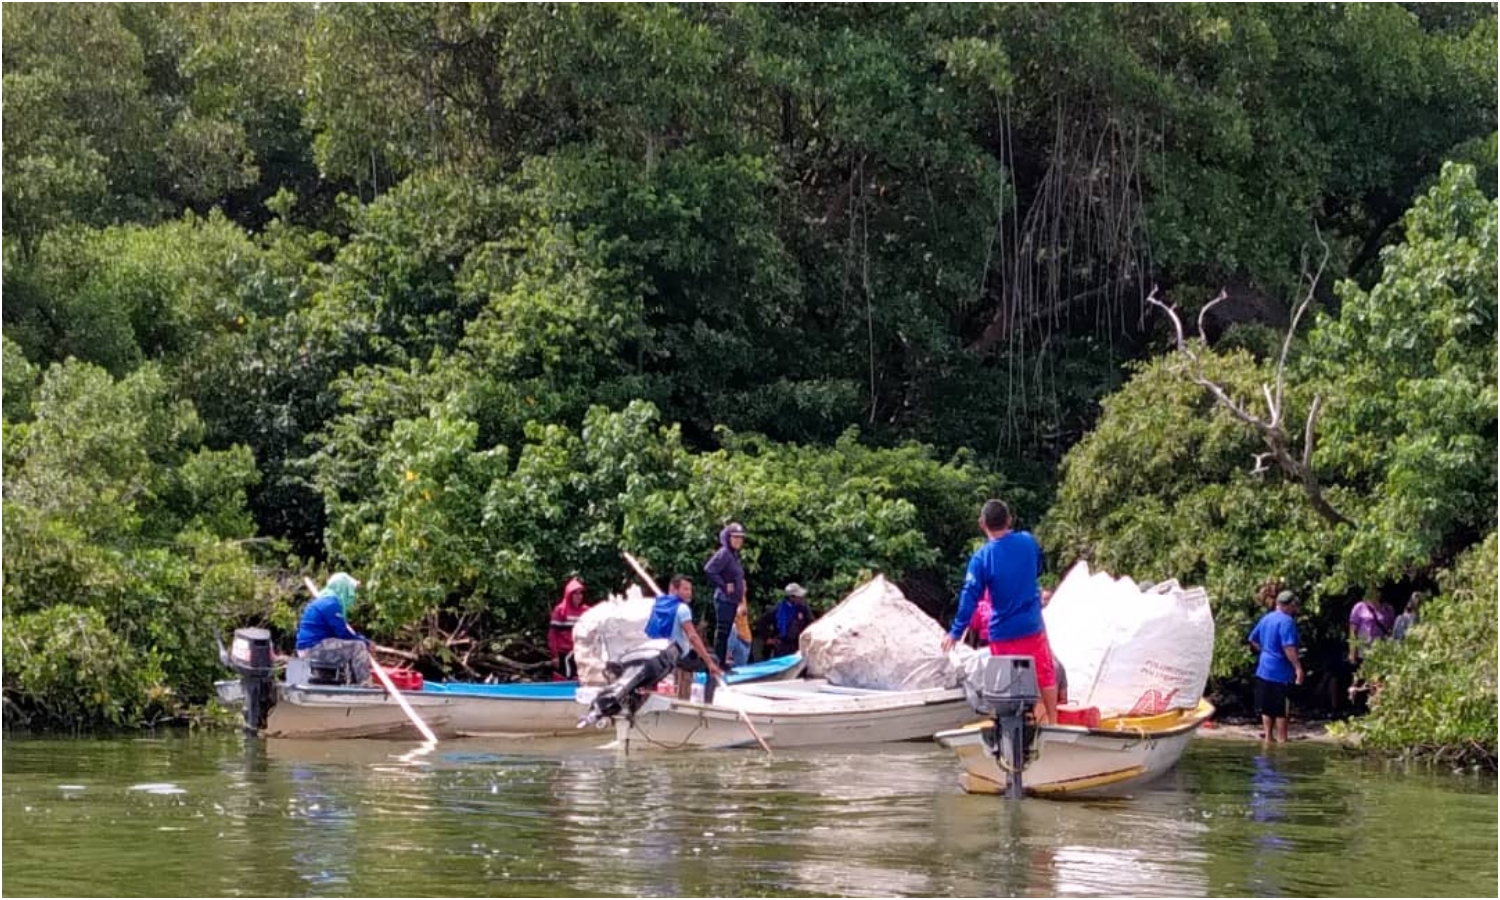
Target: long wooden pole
651, 583
641, 571
385, 680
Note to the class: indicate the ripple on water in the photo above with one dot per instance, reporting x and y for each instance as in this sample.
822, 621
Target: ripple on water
164, 788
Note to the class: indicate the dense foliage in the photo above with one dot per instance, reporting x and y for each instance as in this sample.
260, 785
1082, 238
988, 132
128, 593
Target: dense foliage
1168, 484
466, 298
1435, 691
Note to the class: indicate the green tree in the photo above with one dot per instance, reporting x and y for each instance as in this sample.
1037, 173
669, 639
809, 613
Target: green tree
126, 548
1409, 367
1406, 449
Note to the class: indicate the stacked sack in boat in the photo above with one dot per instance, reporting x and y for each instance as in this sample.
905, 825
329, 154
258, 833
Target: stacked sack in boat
877, 639
1130, 650
608, 631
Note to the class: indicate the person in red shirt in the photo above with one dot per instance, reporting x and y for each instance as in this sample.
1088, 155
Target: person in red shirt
560, 630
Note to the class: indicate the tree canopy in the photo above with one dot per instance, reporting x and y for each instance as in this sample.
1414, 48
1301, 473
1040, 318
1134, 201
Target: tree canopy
469, 297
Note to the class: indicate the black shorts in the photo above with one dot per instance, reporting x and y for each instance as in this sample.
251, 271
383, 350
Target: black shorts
692, 662
1270, 697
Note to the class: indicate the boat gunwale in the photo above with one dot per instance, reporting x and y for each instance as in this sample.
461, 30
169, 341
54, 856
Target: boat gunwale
1191, 722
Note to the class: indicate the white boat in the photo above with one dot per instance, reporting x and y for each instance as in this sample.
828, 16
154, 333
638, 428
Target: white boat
798, 713
450, 709
1071, 760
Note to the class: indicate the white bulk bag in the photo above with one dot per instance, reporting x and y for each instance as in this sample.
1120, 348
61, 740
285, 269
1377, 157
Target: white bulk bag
877, 639
1128, 651
607, 631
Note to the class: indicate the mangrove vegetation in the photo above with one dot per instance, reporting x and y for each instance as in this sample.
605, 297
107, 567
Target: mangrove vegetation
467, 298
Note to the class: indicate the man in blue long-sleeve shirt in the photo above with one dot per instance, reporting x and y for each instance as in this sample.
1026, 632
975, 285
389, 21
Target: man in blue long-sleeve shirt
1007, 566
325, 633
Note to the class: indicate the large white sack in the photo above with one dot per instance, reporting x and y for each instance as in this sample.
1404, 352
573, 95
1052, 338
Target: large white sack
1128, 651
607, 631
877, 639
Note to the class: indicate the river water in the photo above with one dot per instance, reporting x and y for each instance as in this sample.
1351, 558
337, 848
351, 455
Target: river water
209, 815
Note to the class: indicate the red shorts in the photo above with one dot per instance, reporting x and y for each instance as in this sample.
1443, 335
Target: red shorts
1034, 646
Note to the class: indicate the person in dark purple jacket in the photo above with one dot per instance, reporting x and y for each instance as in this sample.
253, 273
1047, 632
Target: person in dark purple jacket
727, 575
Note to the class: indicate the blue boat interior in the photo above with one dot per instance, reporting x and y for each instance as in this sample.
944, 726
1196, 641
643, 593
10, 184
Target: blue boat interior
563, 690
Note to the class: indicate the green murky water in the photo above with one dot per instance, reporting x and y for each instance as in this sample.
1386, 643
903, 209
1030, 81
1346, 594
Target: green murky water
213, 815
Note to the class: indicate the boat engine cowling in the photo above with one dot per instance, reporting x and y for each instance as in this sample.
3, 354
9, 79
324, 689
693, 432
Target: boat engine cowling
641, 667
249, 657
1007, 690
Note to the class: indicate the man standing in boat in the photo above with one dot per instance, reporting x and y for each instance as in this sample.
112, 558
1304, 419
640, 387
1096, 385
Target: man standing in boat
1008, 566
560, 630
672, 618
727, 575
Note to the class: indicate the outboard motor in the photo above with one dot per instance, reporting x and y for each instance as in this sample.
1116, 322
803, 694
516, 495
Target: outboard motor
250, 658
1008, 691
640, 668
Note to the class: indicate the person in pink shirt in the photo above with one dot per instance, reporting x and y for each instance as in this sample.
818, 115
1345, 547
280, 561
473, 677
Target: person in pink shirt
1371, 620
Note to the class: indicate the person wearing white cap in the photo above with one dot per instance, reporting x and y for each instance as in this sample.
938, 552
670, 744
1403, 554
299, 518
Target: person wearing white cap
792, 616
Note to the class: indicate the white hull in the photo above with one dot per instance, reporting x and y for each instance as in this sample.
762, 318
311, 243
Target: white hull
1074, 760
794, 714
313, 712
452, 710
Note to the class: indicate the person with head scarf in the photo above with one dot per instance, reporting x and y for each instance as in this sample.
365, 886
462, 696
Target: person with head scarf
560, 630
324, 635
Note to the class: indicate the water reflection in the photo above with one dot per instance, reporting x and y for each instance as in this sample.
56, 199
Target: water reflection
1078, 848
532, 819
1268, 795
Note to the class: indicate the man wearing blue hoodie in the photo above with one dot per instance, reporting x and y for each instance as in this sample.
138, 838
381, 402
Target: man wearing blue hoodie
325, 634
727, 575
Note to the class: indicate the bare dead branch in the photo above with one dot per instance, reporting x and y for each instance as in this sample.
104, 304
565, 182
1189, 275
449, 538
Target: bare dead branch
1307, 434
392, 651
1270, 428
1291, 330
1203, 313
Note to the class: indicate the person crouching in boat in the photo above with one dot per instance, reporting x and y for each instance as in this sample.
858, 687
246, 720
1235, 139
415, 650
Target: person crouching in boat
560, 630
324, 633
672, 618
1008, 566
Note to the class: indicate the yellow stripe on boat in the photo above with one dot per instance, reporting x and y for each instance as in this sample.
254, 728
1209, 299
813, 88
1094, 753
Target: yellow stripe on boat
1086, 783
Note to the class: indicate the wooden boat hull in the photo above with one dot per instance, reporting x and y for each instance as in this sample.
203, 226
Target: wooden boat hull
793, 714
1119, 755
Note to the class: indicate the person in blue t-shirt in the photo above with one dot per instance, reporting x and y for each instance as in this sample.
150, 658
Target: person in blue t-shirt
672, 618
1275, 639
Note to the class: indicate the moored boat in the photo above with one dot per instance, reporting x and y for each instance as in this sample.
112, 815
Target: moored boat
451, 709
797, 713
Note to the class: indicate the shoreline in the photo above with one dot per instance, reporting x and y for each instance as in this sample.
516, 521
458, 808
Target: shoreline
1297, 732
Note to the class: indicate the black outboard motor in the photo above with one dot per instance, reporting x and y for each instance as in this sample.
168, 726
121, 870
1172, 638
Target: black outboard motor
1008, 691
250, 658
634, 675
